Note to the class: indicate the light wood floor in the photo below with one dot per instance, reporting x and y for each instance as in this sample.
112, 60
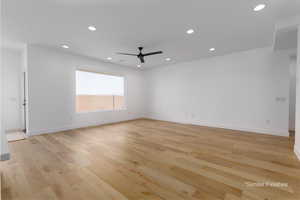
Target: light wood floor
151, 160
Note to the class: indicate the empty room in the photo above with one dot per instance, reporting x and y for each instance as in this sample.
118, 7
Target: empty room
150, 100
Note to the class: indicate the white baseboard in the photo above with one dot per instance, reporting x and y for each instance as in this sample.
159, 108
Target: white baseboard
76, 126
284, 133
297, 151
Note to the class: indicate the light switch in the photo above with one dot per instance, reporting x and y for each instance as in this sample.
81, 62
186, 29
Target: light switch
280, 99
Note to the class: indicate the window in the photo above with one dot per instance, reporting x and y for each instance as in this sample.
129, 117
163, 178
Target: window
95, 92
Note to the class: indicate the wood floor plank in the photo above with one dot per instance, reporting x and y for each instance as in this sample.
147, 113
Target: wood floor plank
151, 160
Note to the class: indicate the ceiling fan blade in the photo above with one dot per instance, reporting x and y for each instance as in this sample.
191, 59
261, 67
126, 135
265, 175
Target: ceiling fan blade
127, 54
142, 59
152, 53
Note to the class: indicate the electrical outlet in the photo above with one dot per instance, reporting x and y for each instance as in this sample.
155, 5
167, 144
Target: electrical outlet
280, 99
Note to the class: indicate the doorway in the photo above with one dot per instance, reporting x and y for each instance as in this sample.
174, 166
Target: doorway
13, 88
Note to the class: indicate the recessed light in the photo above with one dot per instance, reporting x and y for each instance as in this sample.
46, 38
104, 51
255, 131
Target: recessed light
190, 31
109, 58
139, 66
168, 59
65, 46
212, 49
92, 28
259, 7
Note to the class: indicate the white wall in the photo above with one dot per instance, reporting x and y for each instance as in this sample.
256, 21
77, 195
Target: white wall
12, 64
297, 133
292, 106
244, 91
51, 85
3, 141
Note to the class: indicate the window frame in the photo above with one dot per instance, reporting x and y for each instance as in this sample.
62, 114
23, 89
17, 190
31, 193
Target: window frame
102, 73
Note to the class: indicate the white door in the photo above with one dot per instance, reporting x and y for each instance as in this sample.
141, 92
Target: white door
12, 86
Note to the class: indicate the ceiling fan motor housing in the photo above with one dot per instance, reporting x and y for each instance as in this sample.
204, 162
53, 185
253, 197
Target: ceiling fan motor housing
141, 56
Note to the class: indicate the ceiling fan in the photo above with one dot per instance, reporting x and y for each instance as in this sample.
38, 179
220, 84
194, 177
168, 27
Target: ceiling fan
141, 55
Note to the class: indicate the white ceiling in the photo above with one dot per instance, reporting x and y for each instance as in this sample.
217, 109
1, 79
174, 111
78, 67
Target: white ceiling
123, 25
